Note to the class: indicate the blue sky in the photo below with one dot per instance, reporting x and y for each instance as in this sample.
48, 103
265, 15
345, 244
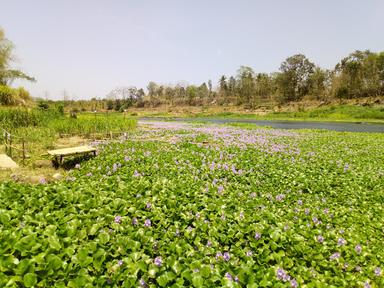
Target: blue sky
89, 47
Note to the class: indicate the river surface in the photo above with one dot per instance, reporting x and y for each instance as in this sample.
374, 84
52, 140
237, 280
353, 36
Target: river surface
335, 126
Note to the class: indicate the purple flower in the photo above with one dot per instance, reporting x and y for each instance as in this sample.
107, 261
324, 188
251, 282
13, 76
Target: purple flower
377, 271
149, 205
136, 174
196, 270
158, 261
320, 239
118, 219
209, 243
257, 235
280, 197
306, 211
236, 279
341, 242
218, 255
294, 283
249, 253
228, 276
142, 283
282, 275
147, 223
134, 221
300, 202
334, 256
358, 248
220, 189
226, 256
366, 284
43, 181
120, 262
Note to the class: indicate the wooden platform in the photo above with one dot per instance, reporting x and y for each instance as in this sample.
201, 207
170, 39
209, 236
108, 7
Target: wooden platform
59, 154
7, 163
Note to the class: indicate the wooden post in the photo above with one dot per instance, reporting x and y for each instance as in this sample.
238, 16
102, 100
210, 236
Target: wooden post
23, 143
10, 145
5, 136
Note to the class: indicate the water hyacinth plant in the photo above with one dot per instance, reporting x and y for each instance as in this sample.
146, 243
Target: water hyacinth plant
276, 209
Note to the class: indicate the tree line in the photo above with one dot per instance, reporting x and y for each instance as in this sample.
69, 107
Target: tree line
358, 75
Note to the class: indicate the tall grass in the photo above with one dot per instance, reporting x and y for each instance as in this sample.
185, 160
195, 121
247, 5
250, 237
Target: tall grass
340, 112
13, 118
87, 125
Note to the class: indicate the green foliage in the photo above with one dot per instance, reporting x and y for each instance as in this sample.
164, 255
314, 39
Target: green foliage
10, 96
360, 74
43, 105
269, 192
7, 75
340, 112
85, 124
7, 95
16, 117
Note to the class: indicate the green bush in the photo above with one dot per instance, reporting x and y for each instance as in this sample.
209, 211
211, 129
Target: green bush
7, 95
10, 96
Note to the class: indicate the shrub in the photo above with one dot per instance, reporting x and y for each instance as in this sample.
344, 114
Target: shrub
7, 95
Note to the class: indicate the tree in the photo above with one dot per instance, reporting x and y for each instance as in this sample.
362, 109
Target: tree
264, 88
192, 92
7, 75
245, 77
223, 86
360, 74
203, 92
294, 79
319, 83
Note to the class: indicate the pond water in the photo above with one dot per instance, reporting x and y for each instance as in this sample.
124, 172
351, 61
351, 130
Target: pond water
335, 126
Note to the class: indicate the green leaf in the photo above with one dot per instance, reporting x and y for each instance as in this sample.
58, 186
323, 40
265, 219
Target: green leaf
162, 280
54, 262
30, 279
54, 243
197, 281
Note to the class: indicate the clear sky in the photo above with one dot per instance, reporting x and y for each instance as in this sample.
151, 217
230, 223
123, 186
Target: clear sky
89, 47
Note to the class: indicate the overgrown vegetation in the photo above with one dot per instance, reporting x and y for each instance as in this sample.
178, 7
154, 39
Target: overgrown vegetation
40, 128
253, 208
10, 96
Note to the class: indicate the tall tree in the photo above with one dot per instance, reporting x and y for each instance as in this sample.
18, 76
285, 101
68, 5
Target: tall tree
294, 80
245, 77
7, 75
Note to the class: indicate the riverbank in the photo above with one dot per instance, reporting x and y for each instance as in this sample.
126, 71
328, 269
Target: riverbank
350, 112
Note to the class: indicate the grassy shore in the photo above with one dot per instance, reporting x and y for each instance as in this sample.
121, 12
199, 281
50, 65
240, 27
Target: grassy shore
333, 113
